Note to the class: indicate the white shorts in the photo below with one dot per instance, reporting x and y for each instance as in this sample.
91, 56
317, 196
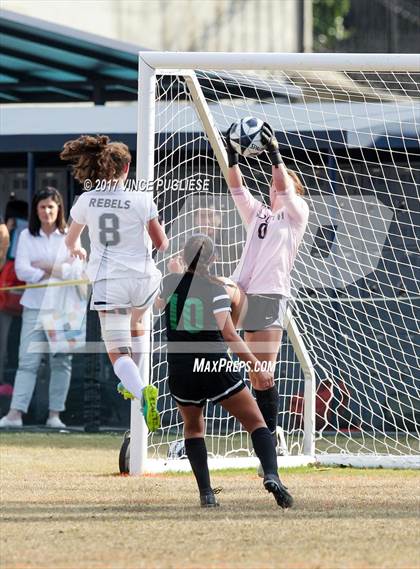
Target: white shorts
109, 294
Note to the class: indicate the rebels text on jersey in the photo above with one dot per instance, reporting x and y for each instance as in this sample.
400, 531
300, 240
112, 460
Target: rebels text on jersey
117, 222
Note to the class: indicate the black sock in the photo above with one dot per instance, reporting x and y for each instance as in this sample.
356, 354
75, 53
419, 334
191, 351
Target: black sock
197, 455
262, 441
268, 402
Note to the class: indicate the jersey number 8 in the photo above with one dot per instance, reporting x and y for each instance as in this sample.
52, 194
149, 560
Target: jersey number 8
109, 225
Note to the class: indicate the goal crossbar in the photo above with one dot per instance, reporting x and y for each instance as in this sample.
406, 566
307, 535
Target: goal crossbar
285, 61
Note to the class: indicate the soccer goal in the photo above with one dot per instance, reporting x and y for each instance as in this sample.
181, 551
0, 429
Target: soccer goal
348, 125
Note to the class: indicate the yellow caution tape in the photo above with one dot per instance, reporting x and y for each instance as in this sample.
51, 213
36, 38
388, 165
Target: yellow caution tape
44, 285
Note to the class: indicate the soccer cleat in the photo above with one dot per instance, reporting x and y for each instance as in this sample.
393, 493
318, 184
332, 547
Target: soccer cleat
208, 499
124, 392
150, 412
273, 485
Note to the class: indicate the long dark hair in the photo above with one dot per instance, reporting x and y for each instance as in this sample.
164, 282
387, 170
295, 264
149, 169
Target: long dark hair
199, 256
34, 224
15, 209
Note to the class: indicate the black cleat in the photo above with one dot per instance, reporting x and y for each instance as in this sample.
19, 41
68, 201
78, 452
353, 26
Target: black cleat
273, 485
208, 499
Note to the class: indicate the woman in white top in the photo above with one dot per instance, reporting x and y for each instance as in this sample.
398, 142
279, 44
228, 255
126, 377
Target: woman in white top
41, 256
123, 273
274, 233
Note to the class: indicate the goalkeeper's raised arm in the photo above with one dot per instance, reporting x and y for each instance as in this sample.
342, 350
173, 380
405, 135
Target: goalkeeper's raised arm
274, 232
286, 189
244, 200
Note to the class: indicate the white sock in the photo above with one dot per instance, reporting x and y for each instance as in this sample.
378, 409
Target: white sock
128, 373
139, 346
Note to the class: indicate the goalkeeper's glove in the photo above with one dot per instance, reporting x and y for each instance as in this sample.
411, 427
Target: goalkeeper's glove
272, 146
233, 156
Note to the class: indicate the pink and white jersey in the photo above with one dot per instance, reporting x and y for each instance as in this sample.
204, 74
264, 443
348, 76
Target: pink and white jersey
273, 238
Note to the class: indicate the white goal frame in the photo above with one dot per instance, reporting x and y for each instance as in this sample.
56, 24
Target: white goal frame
183, 64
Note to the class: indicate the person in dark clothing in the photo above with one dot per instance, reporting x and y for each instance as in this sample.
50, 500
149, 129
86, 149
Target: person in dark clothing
199, 331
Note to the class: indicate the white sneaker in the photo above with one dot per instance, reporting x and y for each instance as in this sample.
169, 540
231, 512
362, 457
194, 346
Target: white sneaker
6, 423
281, 449
55, 423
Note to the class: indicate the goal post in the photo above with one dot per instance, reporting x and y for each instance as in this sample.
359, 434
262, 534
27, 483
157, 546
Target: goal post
144, 169
346, 123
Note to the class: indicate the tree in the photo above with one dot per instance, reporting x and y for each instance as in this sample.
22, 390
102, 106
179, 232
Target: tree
328, 22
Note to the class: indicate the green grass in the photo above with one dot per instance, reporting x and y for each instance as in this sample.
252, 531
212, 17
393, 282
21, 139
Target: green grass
64, 506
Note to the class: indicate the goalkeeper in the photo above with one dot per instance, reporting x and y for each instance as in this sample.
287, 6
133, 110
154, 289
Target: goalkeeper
274, 233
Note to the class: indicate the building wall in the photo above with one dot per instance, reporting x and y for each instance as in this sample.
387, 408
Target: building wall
383, 26
208, 25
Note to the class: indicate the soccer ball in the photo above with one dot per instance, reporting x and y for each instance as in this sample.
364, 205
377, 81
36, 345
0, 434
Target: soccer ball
245, 136
177, 450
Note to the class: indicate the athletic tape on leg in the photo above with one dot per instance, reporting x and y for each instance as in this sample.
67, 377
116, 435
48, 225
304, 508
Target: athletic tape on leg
115, 329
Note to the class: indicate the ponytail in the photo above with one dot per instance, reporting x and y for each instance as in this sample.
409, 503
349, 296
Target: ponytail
199, 256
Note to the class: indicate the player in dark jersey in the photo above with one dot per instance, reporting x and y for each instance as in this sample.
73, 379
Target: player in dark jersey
199, 331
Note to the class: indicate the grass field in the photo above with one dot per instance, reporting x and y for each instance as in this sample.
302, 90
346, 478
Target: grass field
63, 505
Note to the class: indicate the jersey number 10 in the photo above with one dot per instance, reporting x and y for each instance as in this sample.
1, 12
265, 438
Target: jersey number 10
192, 314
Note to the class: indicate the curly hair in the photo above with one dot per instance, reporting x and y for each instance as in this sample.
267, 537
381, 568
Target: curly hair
96, 157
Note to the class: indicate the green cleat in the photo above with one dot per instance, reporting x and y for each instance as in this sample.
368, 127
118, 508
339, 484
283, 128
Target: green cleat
124, 392
150, 412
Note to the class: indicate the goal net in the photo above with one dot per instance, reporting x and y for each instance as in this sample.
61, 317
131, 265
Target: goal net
348, 369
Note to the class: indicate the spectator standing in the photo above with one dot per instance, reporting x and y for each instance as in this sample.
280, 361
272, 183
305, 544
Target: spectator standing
16, 216
42, 256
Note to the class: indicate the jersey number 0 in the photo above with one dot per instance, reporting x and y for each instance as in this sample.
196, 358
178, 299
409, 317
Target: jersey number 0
262, 230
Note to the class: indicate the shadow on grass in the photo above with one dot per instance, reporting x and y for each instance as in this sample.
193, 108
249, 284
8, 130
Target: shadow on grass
63, 439
151, 510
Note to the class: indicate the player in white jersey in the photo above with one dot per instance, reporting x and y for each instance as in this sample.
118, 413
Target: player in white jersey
125, 280
274, 233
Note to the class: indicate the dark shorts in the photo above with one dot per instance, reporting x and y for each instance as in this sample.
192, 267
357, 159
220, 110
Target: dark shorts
264, 311
189, 387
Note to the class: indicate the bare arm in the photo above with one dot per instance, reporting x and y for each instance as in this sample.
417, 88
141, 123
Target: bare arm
72, 240
4, 243
285, 196
234, 177
233, 339
237, 345
160, 303
281, 178
242, 197
244, 200
157, 234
